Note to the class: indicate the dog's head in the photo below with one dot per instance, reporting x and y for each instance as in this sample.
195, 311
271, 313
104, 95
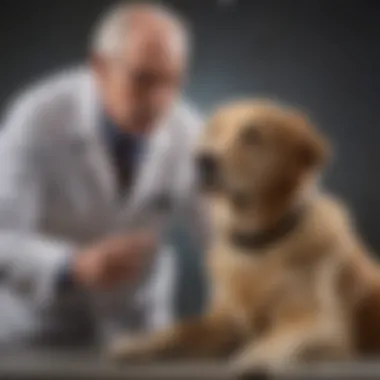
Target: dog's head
255, 149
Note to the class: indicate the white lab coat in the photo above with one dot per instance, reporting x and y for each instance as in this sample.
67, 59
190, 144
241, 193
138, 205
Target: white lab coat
58, 192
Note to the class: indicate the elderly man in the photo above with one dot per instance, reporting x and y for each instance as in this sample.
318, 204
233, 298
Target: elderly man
95, 165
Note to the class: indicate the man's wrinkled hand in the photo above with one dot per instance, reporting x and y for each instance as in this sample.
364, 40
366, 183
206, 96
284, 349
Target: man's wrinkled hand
113, 261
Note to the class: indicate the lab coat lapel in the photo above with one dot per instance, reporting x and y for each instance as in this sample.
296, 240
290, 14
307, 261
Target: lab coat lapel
149, 177
129, 208
101, 174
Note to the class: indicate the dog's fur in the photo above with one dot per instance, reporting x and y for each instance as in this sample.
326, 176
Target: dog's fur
313, 294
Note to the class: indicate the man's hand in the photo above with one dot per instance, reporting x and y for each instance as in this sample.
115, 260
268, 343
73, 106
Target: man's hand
113, 261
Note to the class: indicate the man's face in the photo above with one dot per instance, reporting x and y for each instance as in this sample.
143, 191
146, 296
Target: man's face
139, 85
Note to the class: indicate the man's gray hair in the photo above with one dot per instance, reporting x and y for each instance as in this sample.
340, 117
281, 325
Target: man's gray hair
111, 29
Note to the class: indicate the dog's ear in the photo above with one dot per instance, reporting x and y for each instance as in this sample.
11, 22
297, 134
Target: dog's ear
313, 151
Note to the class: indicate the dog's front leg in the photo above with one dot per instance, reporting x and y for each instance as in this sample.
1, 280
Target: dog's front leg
290, 345
205, 337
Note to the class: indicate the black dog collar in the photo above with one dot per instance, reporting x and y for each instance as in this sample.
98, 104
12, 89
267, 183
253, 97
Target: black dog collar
262, 239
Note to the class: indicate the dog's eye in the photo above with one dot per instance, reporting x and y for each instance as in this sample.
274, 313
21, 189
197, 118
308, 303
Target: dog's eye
251, 136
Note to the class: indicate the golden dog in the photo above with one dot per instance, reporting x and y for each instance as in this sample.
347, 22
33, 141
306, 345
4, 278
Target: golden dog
291, 281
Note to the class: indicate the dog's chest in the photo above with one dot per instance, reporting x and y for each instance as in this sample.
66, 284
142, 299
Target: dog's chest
259, 289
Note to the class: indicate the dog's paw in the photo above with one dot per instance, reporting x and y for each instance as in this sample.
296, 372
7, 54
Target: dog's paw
243, 367
130, 349
247, 364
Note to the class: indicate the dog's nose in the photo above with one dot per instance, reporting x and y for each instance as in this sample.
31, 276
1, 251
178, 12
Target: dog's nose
207, 164
207, 168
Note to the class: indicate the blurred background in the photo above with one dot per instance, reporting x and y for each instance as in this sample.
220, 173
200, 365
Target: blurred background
321, 55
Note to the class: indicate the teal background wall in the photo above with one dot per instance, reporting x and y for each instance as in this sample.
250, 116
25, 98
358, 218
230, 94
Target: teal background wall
191, 293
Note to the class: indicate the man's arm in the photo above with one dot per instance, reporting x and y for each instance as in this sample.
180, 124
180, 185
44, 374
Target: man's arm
29, 261
51, 275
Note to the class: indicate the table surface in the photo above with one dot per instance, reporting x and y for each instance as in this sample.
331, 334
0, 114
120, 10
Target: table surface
91, 365
43, 365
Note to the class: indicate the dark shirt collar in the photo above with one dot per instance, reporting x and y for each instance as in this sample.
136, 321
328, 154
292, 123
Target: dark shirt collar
114, 133
118, 140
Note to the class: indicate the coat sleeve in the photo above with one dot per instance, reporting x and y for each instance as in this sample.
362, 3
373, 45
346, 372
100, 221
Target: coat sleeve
29, 260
